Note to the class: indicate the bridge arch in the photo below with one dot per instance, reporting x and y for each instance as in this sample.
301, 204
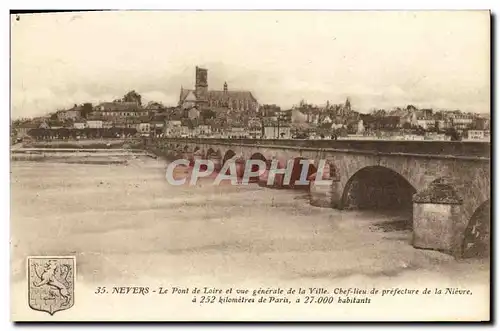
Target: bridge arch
476, 243
377, 188
258, 156
212, 152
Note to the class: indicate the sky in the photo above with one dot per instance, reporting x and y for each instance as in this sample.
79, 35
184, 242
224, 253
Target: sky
377, 59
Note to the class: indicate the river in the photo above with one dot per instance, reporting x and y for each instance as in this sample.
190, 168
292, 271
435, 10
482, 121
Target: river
126, 225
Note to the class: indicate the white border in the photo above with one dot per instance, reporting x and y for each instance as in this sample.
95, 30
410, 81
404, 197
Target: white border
183, 4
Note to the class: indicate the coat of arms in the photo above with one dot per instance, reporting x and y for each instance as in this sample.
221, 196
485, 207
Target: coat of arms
51, 283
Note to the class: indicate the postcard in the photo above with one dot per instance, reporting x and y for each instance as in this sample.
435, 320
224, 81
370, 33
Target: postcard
250, 166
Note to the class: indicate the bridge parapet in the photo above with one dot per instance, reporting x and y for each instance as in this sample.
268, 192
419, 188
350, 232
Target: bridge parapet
437, 148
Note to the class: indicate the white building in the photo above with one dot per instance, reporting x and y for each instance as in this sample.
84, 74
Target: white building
94, 124
461, 121
80, 125
70, 114
361, 127
144, 128
426, 123
203, 130
275, 132
172, 128
238, 132
476, 135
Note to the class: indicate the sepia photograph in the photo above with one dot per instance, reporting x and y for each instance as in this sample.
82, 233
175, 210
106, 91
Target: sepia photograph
259, 165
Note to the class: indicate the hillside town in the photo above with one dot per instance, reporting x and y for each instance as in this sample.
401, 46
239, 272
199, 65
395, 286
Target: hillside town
236, 114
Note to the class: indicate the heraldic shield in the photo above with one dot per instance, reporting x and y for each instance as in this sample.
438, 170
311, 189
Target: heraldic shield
51, 283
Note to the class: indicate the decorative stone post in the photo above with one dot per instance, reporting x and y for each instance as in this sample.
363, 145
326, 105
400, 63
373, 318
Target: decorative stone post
326, 192
437, 220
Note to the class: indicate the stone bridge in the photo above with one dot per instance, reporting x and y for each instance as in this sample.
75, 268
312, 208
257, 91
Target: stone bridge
446, 185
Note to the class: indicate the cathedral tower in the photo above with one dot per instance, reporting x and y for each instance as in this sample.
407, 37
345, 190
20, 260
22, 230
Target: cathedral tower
201, 87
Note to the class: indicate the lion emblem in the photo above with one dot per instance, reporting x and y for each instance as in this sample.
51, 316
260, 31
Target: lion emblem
51, 283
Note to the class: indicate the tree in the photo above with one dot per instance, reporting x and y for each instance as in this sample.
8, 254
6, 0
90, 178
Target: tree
208, 114
86, 109
420, 131
63, 133
406, 126
453, 133
132, 96
155, 105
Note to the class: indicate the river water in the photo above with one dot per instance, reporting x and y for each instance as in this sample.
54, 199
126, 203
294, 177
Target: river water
126, 225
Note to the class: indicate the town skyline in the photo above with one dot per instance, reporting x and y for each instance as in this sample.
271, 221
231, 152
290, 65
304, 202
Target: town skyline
98, 56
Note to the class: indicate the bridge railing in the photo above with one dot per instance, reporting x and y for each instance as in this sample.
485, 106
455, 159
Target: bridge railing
427, 147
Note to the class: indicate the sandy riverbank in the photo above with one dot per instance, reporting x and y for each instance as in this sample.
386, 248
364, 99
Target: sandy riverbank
126, 226
84, 144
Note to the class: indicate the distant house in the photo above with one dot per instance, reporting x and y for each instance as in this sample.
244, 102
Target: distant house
405, 116
54, 125
144, 126
44, 125
476, 134
326, 119
184, 131
443, 124
107, 124
70, 114
157, 124
426, 123
360, 128
238, 132
390, 123
120, 110
95, 123
24, 128
126, 123
461, 121
203, 130
172, 128
277, 132
480, 124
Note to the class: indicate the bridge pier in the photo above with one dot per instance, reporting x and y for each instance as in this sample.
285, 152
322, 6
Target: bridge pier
437, 221
187, 156
217, 161
198, 155
327, 194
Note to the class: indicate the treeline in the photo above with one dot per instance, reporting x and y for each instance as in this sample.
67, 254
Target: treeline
87, 133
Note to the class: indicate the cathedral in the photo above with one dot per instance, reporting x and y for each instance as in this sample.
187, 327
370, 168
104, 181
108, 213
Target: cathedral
203, 98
